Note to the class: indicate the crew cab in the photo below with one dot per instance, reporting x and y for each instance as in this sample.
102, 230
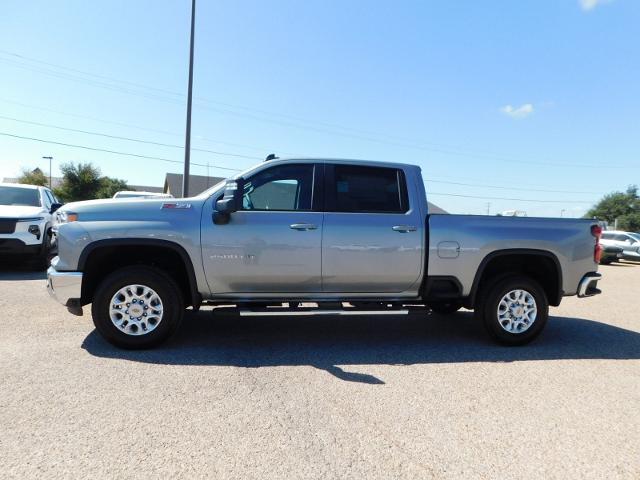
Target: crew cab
352, 237
26, 222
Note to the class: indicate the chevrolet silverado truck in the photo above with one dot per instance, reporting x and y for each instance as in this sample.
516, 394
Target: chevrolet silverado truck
314, 236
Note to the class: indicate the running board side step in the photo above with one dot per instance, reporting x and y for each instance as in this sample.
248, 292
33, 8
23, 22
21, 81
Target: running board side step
273, 312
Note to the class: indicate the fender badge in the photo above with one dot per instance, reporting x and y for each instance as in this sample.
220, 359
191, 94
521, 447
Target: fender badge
175, 206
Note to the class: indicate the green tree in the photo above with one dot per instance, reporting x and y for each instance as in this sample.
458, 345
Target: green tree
83, 182
33, 177
110, 186
623, 206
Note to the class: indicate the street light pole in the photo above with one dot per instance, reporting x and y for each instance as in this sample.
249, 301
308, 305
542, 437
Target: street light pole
187, 140
49, 158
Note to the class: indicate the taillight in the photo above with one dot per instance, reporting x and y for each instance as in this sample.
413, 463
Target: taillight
596, 231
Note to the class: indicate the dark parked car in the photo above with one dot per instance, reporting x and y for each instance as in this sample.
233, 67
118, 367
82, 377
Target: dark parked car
610, 253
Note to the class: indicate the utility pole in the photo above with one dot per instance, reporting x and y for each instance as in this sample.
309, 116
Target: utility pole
187, 140
49, 158
562, 212
488, 207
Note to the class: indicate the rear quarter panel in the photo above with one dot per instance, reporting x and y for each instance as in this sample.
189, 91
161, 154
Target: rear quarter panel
569, 240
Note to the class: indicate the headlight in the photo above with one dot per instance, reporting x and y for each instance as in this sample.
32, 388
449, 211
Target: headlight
30, 219
66, 217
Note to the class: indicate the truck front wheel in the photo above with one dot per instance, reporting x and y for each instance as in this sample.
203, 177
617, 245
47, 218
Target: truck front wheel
137, 307
514, 310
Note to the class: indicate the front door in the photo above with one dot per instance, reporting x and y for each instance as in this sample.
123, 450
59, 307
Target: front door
272, 246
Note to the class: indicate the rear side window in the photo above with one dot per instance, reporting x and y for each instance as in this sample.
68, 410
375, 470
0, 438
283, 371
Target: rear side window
607, 236
358, 189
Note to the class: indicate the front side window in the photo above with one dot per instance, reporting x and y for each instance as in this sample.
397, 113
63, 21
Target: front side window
369, 190
19, 196
284, 188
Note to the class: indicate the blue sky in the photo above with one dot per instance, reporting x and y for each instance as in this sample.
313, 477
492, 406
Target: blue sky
534, 100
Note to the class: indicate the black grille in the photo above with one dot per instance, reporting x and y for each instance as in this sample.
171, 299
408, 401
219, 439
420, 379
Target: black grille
7, 225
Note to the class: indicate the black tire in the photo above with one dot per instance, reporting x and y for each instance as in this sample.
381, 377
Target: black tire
606, 261
43, 260
490, 298
445, 308
157, 280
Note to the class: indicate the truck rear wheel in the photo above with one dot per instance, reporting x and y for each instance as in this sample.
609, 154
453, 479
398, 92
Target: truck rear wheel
514, 310
137, 307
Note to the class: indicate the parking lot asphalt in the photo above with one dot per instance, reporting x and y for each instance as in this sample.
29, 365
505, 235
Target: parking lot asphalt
369, 397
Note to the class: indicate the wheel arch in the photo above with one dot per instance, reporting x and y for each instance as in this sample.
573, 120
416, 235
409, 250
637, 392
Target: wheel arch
102, 257
543, 266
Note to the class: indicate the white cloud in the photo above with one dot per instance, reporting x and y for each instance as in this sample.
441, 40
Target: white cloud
591, 4
522, 111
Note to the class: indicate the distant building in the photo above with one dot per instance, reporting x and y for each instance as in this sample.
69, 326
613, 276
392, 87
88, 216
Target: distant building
433, 208
513, 213
197, 184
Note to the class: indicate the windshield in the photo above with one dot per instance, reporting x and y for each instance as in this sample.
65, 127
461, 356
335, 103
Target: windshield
19, 196
636, 236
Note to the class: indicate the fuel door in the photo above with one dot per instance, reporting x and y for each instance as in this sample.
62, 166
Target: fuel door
448, 249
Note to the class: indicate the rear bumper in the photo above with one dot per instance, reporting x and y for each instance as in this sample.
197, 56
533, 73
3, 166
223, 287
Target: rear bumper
588, 285
65, 287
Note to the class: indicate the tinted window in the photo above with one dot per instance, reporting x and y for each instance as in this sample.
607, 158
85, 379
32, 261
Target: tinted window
19, 196
47, 199
369, 189
286, 187
607, 236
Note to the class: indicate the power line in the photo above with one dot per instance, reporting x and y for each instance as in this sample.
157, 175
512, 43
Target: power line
501, 187
115, 152
443, 149
535, 200
257, 158
147, 129
129, 139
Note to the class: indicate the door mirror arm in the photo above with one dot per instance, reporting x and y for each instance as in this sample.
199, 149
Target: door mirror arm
54, 207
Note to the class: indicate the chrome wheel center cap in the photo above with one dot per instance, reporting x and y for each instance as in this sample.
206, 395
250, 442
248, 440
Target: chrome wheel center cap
136, 310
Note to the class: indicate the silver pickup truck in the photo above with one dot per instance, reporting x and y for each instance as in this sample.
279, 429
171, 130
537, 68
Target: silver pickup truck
344, 236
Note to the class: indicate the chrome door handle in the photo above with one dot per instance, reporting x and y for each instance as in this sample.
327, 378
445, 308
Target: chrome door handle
404, 228
303, 226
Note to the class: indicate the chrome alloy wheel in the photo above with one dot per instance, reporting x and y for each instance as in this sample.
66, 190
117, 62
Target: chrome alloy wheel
517, 310
136, 310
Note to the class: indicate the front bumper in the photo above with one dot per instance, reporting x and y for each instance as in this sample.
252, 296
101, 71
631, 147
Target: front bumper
15, 246
65, 287
588, 285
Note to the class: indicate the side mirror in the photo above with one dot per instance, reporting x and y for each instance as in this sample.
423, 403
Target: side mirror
231, 201
55, 207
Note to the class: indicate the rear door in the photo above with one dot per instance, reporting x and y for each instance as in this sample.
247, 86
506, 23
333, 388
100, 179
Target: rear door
374, 232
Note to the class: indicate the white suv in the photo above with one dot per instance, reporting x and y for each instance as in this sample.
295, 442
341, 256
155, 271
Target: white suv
629, 242
26, 221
